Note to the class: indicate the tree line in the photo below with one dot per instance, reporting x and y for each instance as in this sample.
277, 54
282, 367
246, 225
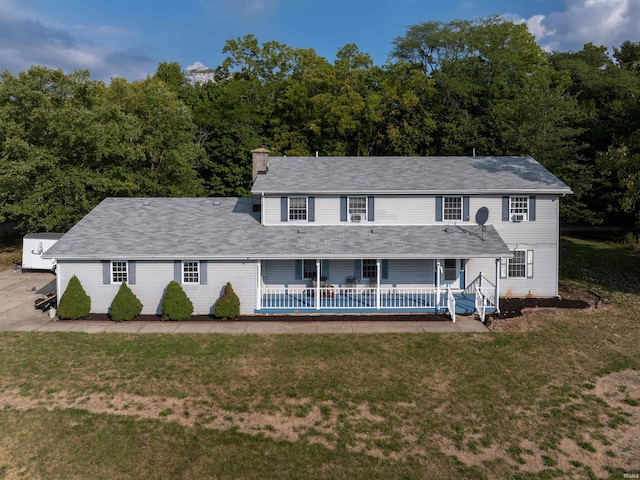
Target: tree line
483, 85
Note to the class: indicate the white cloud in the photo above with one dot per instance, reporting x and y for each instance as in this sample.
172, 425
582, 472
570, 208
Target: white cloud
198, 73
25, 41
601, 22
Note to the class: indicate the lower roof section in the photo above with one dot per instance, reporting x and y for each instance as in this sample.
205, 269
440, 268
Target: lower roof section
227, 228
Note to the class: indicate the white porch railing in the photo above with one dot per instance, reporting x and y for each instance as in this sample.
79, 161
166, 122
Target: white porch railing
451, 304
484, 287
350, 298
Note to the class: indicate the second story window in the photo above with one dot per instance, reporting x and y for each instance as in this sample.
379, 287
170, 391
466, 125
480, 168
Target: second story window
452, 208
357, 209
519, 209
298, 209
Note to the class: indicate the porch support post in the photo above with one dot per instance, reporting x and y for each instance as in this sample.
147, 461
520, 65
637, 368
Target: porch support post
318, 284
497, 299
378, 275
258, 285
437, 286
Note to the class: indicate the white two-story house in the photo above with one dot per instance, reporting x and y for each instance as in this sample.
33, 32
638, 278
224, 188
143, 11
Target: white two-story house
333, 235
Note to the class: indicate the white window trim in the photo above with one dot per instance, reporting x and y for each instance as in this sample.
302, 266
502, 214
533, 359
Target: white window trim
461, 208
184, 279
126, 271
528, 266
306, 208
512, 215
365, 215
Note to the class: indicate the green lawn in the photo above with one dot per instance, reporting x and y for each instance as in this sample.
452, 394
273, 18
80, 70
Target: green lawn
556, 396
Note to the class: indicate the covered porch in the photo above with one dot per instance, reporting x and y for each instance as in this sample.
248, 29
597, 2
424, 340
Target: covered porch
375, 286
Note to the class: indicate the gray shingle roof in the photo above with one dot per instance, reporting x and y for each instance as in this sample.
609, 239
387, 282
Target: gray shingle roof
217, 228
310, 175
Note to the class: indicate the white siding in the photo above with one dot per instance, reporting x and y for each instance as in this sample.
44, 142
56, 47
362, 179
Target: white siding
541, 236
281, 273
153, 277
405, 210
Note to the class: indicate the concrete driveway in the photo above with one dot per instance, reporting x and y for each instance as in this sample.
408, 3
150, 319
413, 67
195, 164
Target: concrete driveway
18, 291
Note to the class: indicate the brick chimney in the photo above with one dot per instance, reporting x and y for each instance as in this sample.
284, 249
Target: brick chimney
260, 161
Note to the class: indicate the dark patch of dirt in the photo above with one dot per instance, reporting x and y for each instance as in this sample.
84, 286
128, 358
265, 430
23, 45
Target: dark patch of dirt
569, 298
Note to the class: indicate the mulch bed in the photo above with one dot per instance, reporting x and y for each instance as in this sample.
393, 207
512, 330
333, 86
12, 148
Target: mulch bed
514, 307
579, 299
418, 317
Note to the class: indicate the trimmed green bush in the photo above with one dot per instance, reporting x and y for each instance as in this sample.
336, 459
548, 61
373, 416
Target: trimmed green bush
228, 305
175, 303
125, 305
75, 303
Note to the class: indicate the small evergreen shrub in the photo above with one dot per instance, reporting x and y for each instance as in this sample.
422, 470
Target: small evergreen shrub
175, 303
228, 305
75, 303
125, 305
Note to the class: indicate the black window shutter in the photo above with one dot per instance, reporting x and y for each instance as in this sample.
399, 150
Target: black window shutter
385, 269
532, 209
505, 209
177, 271
203, 272
370, 209
438, 209
343, 209
131, 272
465, 208
298, 270
284, 209
311, 203
106, 272
357, 269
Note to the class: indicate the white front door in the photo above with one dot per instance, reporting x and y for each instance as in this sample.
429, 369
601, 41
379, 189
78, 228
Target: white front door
450, 273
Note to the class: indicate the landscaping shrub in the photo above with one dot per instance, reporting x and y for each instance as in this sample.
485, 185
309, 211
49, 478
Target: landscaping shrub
125, 305
75, 303
175, 303
228, 305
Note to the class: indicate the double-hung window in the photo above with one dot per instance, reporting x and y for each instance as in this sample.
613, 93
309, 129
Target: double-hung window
309, 269
190, 272
452, 208
517, 266
298, 209
118, 271
357, 210
369, 268
520, 266
519, 209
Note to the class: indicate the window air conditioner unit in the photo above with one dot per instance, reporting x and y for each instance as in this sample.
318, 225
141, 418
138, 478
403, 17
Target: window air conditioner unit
356, 217
518, 217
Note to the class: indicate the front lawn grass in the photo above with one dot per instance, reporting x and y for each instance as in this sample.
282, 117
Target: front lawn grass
501, 405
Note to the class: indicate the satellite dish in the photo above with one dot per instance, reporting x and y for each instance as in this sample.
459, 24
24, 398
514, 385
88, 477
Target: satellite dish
482, 215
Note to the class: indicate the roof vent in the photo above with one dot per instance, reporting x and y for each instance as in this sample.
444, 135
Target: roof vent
375, 230
217, 202
146, 203
302, 232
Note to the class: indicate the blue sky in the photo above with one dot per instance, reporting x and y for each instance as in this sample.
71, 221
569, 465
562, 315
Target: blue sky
129, 37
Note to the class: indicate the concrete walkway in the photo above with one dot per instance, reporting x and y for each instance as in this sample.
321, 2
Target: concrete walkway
18, 291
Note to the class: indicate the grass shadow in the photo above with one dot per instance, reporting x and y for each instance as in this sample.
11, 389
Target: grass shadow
606, 265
